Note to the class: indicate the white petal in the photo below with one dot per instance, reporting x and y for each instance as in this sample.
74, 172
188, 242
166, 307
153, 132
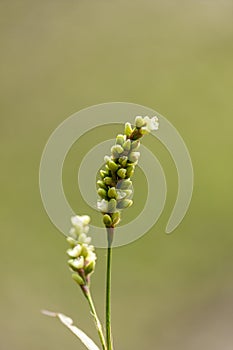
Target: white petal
102, 205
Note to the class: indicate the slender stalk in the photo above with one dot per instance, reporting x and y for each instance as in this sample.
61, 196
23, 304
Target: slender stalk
97, 321
110, 232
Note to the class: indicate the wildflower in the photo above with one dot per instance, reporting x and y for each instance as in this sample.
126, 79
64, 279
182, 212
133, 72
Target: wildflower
81, 254
115, 186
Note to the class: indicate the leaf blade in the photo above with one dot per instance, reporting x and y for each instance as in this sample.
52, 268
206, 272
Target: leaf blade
68, 322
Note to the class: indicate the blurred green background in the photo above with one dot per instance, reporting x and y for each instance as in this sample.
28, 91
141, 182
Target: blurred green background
57, 57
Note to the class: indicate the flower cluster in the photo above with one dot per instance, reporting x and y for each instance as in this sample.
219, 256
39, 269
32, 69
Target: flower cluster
81, 253
115, 185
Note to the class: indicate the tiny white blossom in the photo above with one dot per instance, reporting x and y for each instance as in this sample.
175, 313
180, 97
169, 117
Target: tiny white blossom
103, 206
91, 256
75, 252
78, 263
151, 124
80, 221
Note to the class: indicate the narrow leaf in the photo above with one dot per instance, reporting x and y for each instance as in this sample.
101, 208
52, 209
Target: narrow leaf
68, 322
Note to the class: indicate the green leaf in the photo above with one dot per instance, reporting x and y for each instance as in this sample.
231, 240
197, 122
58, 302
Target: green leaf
68, 322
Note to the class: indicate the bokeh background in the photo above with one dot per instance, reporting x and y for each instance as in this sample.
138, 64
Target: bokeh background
57, 57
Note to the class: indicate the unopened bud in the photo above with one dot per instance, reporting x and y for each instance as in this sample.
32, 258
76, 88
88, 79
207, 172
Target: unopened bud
116, 217
124, 184
124, 203
112, 166
120, 139
102, 193
135, 145
128, 129
108, 180
89, 268
107, 220
112, 192
101, 184
134, 156
103, 173
112, 205
117, 149
130, 171
123, 161
121, 173
78, 279
139, 122
127, 145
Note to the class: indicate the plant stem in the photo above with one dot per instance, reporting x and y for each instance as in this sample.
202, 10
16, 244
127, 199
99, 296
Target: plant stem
110, 232
97, 321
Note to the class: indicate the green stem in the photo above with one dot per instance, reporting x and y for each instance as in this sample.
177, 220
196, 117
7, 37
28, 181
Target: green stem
97, 321
110, 232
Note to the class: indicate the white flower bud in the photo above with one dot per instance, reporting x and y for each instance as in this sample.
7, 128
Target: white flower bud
134, 156
127, 145
139, 122
117, 149
124, 203
124, 184
103, 206
120, 139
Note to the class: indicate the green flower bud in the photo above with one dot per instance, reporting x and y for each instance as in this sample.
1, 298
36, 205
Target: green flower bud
102, 193
134, 156
112, 205
112, 192
124, 203
116, 217
130, 170
101, 184
107, 220
108, 180
123, 161
103, 173
124, 184
135, 145
89, 268
121, 173
128, 129
112, 165
120, 139
78, 279
139, 122
127, 145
